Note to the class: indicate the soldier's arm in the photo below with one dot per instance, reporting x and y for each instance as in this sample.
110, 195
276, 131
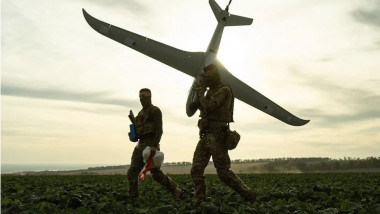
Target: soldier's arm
157, 119
215, 101
200, 90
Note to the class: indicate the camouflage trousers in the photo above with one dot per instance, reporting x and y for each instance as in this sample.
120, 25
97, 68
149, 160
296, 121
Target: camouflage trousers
137, 164
212, 144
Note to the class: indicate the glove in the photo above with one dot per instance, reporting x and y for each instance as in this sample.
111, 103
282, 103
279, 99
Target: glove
199, 88
132, 140
153, 150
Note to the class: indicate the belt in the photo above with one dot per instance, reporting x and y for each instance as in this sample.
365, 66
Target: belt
147, 136
217, 124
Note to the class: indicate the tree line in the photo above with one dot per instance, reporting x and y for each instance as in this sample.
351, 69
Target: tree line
305, 164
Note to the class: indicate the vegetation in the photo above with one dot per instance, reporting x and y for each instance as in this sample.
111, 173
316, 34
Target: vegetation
253, 166
346, 163
277, 193
319, 165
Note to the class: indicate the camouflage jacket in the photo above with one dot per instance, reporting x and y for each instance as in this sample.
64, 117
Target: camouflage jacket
218, 104
149, 124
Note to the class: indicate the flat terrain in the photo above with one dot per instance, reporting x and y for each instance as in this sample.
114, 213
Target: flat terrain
238, 168
246, 168
277, 193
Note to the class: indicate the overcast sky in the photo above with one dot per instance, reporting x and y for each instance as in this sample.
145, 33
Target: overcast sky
66, 90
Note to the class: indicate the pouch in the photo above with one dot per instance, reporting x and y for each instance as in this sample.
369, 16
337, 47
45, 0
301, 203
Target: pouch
232, 139
202, 124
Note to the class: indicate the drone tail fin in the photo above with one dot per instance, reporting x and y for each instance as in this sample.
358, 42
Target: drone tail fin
234, 20
225, 16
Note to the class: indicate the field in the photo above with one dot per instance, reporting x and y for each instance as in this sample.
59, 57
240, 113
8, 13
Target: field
277, 193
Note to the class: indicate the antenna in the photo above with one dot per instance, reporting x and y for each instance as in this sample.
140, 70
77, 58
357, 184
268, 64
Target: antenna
228, 5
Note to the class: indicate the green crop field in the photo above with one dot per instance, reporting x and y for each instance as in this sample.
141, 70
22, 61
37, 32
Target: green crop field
277, 193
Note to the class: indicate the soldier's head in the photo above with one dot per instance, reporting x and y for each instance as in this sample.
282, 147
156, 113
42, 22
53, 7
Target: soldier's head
145, 97
211, 75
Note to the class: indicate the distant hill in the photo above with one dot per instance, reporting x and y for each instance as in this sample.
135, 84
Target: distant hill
252, 166
322, 165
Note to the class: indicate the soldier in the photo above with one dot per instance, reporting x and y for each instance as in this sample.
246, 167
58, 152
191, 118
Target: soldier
149, 132
216, 112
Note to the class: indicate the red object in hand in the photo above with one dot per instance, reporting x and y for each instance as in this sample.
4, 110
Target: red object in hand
148, 166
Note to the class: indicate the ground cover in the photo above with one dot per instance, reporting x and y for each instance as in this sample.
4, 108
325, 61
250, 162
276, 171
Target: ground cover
277, 193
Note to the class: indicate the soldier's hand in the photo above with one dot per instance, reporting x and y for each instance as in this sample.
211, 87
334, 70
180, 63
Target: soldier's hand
153, 150
196, 86
132, 140
199, 88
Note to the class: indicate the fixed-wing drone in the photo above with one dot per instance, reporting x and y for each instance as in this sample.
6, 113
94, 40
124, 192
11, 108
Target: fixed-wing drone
192, 63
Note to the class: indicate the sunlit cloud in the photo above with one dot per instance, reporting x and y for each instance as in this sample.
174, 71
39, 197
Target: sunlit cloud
57, 94
359, 104
133, 6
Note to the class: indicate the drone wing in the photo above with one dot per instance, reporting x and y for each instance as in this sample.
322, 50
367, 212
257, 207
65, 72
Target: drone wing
253, 98
190, 63
187, 62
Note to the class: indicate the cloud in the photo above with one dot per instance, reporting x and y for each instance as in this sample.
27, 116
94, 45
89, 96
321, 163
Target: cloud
325, 119
326, 59
132, 5
371, 130
370, 17
329, 145
359, 104
57, 94
363, 104
22, 133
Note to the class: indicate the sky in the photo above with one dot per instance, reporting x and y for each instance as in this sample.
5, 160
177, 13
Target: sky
66, 90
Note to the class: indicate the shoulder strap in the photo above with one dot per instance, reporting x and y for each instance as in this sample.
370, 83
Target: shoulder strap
232, 100
149, 113
232, 105
152, 110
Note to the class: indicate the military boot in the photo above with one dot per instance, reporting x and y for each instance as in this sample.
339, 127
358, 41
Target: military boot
199, 190
177, 194
245, 192
251, 197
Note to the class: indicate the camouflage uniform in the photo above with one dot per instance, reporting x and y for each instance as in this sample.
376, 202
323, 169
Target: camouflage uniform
216, 112
149, 131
